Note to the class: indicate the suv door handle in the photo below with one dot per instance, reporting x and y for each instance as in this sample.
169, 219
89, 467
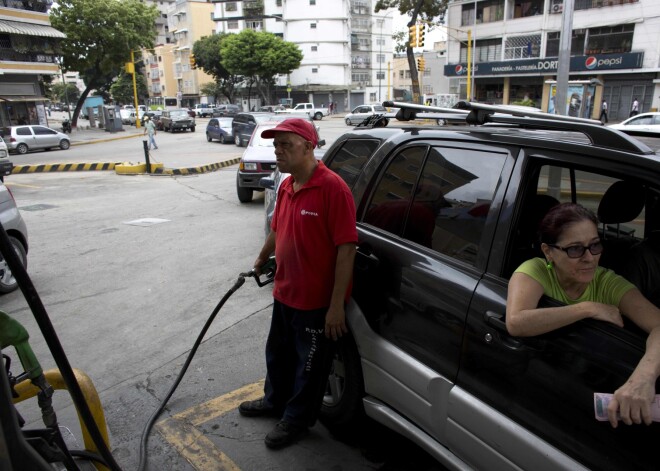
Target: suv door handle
367, 258
496, 320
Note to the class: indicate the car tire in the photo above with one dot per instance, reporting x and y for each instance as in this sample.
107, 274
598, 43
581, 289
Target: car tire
65, 144
222, 139
22, 148
238, 141
208, 137
318, 116
342, 407
8, 282
192, 129
244, 194
348, 122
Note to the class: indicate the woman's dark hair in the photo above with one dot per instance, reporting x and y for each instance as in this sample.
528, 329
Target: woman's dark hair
555, 221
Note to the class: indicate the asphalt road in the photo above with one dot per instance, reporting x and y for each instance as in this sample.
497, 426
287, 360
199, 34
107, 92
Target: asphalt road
129, 269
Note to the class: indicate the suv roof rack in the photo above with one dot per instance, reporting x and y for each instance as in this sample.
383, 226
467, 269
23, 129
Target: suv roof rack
479, 113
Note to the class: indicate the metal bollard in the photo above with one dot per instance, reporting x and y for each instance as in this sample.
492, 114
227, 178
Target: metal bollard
146, 156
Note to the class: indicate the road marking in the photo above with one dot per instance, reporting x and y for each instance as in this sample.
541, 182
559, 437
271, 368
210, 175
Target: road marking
182, 433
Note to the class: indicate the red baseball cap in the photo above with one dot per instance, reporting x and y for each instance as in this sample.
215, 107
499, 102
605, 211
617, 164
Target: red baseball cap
302, 127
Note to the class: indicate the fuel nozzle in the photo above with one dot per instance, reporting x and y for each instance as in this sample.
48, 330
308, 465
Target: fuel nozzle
267, 270
12, 333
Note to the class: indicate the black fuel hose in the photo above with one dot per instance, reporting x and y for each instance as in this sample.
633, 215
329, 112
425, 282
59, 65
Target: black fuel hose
145, 434
53, 342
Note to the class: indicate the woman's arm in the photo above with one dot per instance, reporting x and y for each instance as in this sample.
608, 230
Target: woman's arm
524, 318
633, 400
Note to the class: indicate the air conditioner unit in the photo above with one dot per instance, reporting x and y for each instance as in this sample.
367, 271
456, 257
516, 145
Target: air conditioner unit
557, 6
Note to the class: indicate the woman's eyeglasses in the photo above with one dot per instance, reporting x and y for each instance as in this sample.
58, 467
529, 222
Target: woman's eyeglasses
577, 251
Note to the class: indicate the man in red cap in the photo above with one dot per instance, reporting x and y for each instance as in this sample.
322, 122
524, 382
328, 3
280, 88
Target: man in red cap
313, 235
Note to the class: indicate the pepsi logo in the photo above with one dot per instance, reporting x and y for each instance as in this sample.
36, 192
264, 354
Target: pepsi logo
591, 62
459, 70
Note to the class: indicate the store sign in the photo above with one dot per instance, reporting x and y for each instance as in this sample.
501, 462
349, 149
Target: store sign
628, 60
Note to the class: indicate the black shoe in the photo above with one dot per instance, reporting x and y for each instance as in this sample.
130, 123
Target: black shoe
256, 409
284, 434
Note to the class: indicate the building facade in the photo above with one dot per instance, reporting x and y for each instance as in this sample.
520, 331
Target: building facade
615, 53
27, 55
346, 46
168, 66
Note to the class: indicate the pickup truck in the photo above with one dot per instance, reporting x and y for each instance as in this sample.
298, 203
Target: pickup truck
307, 108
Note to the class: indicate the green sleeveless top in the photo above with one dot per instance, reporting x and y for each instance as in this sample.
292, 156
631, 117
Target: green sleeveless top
606, 287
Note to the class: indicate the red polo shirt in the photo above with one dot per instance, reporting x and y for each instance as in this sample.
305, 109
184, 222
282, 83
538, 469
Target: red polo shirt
309, 225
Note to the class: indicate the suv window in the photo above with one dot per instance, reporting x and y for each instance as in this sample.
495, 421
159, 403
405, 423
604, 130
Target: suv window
445, 206
349, 160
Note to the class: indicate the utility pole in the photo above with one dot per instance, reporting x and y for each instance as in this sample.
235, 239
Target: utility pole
135, 98
564, 60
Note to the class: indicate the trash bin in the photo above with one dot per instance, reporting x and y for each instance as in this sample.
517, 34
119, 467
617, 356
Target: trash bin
112, 119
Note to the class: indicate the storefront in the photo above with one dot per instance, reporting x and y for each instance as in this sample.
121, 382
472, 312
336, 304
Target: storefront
516, 81
21, 101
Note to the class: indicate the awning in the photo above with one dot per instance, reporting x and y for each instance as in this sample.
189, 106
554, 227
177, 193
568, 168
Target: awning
29, 29
23, 98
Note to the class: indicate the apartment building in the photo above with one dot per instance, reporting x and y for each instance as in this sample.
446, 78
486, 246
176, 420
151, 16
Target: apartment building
346, 46
27, 54
169, 65
615, 53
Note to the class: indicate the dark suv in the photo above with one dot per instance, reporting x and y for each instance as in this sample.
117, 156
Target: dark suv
444, 217
177, 120
244, 124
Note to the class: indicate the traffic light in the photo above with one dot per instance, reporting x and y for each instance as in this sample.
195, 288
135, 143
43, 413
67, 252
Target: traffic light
412, 40
129, 68
420, 64
192, 61
420, 35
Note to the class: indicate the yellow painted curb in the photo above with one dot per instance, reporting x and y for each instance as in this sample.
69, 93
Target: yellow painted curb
130, 168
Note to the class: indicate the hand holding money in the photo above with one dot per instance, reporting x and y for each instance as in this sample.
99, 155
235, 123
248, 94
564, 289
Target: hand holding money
602, 400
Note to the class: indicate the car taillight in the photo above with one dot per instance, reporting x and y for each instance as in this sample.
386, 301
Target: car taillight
12, 139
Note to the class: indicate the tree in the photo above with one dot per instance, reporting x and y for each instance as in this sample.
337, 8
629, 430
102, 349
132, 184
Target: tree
269, 55
212, 89
100, 37
208, 58
427, 11
122, 88
64, 93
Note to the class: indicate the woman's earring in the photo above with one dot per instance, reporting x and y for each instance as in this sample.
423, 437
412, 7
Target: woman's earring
549, 265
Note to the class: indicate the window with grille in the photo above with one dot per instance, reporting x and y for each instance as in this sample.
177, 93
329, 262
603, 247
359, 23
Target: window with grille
487, 50
522, 47
315, 48
231, 6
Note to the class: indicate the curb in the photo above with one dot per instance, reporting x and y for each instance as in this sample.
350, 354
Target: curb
104, 139
81, 167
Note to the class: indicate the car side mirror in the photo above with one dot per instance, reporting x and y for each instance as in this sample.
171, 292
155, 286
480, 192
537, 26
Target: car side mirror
267, 182
321, 143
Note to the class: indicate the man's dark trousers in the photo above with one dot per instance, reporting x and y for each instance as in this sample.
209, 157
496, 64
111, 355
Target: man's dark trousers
298, 360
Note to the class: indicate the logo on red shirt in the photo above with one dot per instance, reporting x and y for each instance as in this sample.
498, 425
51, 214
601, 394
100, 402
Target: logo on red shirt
304, 212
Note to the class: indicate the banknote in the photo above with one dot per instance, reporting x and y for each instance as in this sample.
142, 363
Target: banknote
602, 400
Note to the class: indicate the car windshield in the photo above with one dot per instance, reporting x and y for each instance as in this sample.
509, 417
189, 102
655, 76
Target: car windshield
379, 108
178, 113
225, 123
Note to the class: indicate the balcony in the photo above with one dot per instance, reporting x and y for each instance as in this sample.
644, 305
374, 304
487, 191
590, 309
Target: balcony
41, 6
254, 8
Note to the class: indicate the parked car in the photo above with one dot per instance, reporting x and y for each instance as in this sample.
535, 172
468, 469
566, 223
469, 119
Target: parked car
154, 116
272, 108
258, 161
220, 129
360, 113
14, 225
203, 110
226, 110
644, 124
244, 124
173, 120
5, 164
444, 217
22, 139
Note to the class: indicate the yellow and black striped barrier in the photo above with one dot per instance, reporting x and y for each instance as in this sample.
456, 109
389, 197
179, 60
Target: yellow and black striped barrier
72, 167
196, 170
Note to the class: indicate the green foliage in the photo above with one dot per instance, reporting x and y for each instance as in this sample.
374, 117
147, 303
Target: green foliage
208, 58
432, 11
61, 93
122, 89
101, 35
213, 89
525, 102
269, 56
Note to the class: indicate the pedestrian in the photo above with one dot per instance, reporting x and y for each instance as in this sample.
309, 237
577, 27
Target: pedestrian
330, 108
334, 107
635, 108
603, 112
314, 236
150, 129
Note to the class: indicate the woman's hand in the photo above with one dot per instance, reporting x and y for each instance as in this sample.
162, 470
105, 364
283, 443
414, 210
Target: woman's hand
605, 313
632, 401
